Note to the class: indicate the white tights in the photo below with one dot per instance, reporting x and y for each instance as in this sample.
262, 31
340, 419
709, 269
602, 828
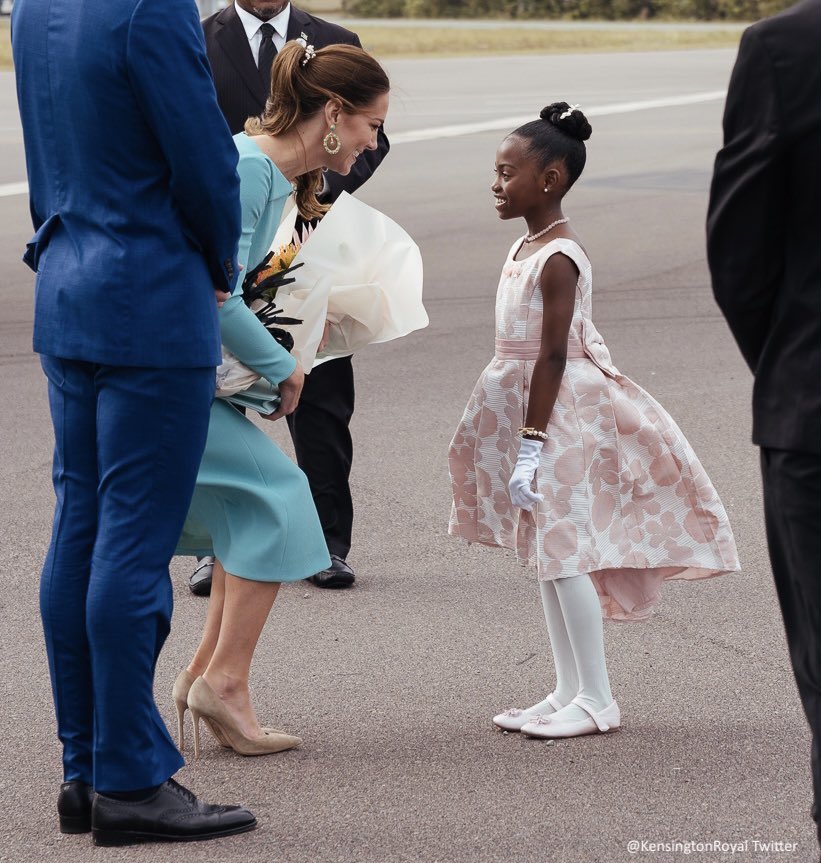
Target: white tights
574, 623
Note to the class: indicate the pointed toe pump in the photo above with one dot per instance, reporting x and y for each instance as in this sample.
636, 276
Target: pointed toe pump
182, 686
205, 704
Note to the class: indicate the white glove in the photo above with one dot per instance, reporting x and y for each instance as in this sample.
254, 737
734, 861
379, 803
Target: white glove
522, 477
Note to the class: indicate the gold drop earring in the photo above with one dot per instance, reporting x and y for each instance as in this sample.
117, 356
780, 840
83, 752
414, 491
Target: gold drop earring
332, 142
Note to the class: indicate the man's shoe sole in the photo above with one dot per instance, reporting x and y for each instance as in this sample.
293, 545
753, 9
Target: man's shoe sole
111, 838
75, 823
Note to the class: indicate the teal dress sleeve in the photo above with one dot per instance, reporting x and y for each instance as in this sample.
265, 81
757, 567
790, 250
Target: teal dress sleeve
263, 192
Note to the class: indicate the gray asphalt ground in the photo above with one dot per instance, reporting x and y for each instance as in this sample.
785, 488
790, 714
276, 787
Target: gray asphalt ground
392, 684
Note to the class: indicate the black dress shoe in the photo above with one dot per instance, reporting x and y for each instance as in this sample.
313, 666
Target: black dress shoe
74, 807
171, 814
338, 574
200, 579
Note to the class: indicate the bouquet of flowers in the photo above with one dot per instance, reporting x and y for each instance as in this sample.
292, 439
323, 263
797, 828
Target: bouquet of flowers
259, 292
361, 283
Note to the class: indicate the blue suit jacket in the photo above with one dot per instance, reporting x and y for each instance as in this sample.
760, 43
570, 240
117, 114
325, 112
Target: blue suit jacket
133, 184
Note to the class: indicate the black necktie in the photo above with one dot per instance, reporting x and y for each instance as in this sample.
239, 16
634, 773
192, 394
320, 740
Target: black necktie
267, 52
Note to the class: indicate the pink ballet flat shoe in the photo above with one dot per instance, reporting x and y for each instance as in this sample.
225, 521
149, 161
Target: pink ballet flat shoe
596, 722
514, 719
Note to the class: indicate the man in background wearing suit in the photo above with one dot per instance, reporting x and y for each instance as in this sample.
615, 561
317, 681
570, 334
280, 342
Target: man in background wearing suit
764, 249
134, 197
242, 41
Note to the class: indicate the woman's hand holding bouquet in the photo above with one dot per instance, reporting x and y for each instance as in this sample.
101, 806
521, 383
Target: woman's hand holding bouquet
235, 381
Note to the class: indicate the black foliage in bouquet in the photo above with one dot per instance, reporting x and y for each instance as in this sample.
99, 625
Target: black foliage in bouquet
262, 284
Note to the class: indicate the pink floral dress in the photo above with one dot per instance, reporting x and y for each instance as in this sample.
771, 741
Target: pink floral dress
625, 497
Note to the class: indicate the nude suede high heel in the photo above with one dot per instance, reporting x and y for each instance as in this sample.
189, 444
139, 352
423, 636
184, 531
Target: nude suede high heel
182, 686
180, 695
205, 704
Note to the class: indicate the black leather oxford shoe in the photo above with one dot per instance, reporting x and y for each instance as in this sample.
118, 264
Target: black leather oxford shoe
74, 807
171, 814
337, 575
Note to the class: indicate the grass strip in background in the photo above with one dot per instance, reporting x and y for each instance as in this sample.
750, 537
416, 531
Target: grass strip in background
387, 41
453, 41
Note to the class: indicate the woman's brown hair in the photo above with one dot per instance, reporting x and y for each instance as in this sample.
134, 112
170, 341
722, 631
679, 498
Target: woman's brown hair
299, 89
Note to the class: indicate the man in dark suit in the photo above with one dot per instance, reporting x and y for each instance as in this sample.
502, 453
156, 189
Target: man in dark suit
242, 41
134, 196
764, 249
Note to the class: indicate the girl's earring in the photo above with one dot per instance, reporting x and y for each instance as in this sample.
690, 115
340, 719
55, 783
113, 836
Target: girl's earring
331, 142
547, 188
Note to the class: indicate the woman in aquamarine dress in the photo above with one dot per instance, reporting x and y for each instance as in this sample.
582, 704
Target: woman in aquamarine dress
252, 507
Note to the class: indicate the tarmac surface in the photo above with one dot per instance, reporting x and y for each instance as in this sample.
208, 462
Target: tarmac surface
392, 684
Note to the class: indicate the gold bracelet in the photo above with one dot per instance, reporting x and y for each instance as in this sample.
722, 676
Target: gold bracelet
527, 430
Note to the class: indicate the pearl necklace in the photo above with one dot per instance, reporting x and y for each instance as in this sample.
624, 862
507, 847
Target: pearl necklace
531, 237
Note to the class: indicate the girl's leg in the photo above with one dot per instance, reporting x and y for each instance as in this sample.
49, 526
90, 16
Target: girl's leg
567, 678
244, 612
581, 611
213, 622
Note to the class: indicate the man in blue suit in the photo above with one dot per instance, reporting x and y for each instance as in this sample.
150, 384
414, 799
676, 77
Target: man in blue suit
135, 203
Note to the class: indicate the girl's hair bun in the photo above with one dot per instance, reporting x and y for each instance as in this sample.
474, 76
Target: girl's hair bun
569, 119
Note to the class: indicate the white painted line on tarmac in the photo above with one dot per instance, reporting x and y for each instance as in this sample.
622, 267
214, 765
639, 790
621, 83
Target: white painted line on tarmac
508, 123
9, 189
435, 133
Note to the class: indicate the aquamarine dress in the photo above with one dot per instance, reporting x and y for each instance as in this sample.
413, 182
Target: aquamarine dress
252, 506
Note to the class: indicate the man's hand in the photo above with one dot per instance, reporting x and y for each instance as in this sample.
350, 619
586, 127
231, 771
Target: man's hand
289, 392
221, 295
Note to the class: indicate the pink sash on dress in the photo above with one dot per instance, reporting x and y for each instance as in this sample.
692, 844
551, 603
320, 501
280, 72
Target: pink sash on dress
528, 349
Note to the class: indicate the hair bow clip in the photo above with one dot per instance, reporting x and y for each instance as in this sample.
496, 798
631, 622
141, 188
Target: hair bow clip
569, 112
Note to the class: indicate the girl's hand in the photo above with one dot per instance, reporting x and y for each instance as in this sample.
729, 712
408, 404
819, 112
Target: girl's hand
521, 479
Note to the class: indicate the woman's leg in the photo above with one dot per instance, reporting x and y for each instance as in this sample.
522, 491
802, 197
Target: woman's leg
244, 611
581, 612
213, 622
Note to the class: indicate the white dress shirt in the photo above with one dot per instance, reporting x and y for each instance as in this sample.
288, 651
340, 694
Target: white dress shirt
252, 24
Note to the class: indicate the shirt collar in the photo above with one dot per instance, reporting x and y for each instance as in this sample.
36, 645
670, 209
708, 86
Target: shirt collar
252, 24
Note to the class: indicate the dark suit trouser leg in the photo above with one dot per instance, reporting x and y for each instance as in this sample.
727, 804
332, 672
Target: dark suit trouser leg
324, 449
792, 506
128, 443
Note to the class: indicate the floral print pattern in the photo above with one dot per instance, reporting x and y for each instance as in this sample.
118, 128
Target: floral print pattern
625, 497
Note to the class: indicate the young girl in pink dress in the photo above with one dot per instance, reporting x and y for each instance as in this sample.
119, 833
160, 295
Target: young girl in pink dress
565, 460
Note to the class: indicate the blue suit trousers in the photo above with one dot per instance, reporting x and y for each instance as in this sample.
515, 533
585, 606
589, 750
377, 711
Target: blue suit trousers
128, 442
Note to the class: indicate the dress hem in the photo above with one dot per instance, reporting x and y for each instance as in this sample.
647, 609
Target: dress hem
617, 605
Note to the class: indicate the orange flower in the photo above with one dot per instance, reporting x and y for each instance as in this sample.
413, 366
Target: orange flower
282, 258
